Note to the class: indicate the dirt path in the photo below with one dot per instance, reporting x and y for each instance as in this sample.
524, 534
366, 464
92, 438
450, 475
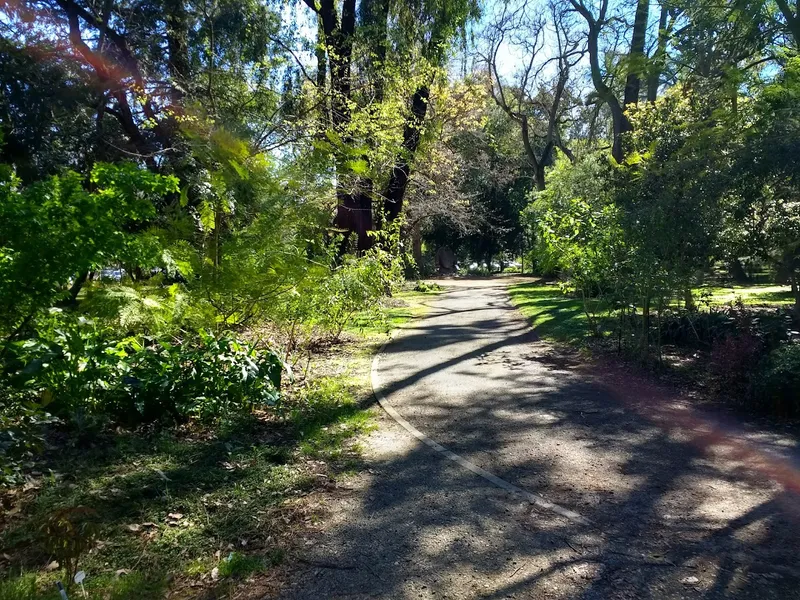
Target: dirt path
680, 504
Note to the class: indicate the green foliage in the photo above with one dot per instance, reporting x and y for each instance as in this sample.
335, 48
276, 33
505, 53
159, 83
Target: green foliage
22, 588
555, 316
763, 214
355, 286
427, 286
206, 378
21, 433
237, 564
777, 383
57, 229
76, 369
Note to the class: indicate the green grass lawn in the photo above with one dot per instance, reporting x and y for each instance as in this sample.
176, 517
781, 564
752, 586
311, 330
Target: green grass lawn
553, 315
751, 295
400, 308
196, 511
562, 318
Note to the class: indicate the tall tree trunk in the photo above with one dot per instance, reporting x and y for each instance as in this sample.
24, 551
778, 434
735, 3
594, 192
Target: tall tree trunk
375, 19
416, 245
354, 197
177, 48
620, 122
398, 180
659, 57
536, 163
76, 286
539, 177
322, 57
636, 54
792, 18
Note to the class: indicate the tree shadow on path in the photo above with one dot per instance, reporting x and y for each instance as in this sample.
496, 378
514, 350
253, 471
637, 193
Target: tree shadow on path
680, 503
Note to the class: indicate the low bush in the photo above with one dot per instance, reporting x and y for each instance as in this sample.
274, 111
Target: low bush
77, 371
776, 386
205, 378
21, 434
427, 286
732, 363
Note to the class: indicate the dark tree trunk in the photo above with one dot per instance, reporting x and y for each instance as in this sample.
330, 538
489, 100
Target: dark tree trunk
177, 48
659, 57
792, 18
539, 176
537, 164
322, 57
620, 122
354, 214
398, 180
375, 20
737, 271
354, 196
416, 245
76, 286
796, 294
636, 55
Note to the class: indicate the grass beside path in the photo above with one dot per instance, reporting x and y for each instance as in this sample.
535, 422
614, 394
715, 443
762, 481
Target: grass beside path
751, 295
198, 512
561, 318
553, 315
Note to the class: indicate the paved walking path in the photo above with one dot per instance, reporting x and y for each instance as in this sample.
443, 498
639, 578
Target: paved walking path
679, 503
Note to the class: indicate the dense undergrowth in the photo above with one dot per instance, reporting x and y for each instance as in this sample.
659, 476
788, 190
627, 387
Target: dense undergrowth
193, 506
745, 351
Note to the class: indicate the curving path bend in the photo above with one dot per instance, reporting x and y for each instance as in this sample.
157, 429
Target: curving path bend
616, 487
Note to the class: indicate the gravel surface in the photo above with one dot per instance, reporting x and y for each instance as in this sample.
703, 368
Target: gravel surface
680, 503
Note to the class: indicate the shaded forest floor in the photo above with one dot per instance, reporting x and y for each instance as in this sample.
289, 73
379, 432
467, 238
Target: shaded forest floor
198, 511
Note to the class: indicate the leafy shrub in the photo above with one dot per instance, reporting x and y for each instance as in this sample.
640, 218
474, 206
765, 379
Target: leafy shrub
204, 378
21, 433
732, 362
355, 286
704, 329
321, 402
69, 533
776, 386
424, 286
20, 588
237, 564
55, 230
77, 369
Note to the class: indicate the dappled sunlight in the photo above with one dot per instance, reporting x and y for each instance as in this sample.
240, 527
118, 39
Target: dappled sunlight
672, 494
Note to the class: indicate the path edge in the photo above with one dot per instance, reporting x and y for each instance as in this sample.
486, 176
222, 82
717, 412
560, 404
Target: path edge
530, 497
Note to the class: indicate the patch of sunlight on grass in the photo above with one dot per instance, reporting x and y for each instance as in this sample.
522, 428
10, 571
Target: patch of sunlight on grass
553, 315
751, 295
397, 310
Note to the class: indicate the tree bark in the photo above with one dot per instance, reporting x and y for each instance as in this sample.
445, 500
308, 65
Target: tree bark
412, 133
354, 201
796, 293
178, 49
620, 122
375, 19
416, 245
636, 54
659, 57
792, 18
